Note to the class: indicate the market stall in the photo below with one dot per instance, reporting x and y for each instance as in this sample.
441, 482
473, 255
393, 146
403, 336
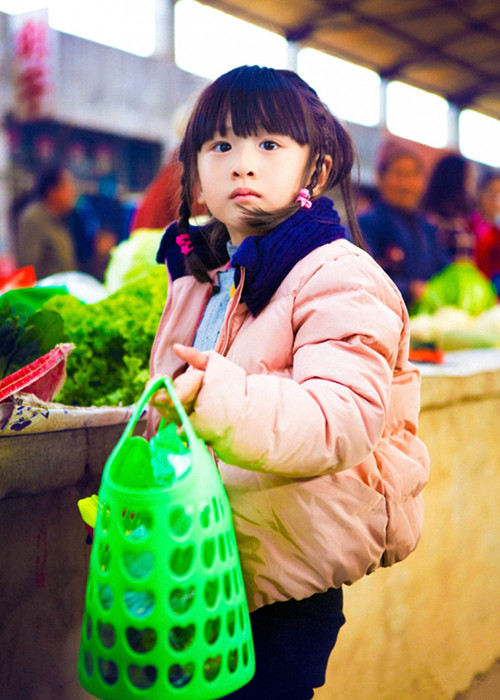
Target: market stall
420, 630
423, 629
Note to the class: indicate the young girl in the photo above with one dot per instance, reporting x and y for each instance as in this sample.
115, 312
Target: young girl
289, 349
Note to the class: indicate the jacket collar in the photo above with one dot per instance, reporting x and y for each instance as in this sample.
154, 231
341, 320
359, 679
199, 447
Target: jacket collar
267, 259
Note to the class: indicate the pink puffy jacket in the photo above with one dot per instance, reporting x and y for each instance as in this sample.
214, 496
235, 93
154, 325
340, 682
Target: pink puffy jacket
311, 409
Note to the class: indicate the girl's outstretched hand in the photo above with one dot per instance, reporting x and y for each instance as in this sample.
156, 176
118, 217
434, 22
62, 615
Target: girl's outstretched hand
187, 385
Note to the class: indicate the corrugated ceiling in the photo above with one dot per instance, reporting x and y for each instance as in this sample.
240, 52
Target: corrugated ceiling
450, 47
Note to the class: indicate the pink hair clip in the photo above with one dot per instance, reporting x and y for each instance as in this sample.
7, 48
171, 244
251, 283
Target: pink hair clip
184, 242
304, 198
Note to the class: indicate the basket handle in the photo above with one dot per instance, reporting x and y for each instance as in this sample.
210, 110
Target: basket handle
161, 382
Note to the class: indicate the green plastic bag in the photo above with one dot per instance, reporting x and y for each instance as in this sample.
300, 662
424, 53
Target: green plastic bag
165, 612
460, 284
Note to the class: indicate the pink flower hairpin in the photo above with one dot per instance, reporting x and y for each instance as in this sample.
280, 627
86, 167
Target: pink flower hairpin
184, 242
304, 199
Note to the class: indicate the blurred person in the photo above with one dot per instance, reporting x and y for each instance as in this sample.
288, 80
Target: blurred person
485, 222
105, 220
449, 201
44, 239
367, 198
398, 235
159, 205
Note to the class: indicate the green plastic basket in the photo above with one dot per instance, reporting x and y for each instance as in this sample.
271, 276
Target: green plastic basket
165, 611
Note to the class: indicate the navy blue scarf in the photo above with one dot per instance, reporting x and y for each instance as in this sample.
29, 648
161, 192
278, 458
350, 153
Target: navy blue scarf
267, 259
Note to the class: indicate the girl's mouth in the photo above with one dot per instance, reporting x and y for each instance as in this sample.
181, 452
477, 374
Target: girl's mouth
243, 193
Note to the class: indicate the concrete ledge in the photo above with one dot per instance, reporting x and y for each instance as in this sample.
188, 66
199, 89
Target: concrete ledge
424, 628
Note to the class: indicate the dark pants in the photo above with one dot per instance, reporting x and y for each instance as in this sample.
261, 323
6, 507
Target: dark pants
293, 641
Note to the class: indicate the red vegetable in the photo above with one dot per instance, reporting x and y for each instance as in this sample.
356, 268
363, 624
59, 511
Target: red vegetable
44, 377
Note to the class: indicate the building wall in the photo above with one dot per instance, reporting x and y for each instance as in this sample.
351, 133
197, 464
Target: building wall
98, 87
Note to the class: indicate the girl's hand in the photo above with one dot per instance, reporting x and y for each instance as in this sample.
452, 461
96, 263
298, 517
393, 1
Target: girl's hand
187, 385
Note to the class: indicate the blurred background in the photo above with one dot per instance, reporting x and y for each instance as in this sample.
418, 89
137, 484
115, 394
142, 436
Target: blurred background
103, 85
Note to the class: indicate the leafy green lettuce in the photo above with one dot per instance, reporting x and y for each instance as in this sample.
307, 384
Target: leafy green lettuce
113, 340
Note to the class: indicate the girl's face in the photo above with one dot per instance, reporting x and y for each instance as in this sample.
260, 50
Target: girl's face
264, 171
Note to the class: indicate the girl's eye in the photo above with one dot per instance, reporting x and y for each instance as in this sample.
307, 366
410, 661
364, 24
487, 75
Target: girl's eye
269, 145
222, 147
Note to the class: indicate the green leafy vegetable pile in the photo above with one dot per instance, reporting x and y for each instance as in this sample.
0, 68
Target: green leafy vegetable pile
113, 339
25, 335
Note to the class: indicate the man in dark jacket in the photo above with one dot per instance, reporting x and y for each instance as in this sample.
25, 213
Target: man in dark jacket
44, 239
398, 235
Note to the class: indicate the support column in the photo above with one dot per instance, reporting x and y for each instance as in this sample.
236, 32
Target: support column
164, 32
292, 51
453, 115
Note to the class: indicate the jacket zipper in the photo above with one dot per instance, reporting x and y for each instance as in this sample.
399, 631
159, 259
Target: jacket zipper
223, 340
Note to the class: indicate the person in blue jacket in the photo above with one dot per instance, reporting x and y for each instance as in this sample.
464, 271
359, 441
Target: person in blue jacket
398, 235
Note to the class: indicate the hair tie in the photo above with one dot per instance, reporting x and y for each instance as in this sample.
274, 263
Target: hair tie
184, 242
304, 199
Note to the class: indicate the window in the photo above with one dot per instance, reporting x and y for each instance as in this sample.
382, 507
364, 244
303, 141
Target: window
350, 91
417, 115
17, 7
209, 42
479, 137
124, 24
128, 25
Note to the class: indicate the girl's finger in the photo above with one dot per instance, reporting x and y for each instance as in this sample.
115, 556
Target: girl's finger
193, 357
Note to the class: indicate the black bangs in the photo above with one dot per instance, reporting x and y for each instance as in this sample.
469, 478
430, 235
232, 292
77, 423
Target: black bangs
254, 98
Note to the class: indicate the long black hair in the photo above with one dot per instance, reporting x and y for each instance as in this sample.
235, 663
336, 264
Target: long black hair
447, 193
280, 102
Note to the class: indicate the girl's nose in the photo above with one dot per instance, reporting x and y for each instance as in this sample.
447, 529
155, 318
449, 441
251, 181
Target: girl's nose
244, 164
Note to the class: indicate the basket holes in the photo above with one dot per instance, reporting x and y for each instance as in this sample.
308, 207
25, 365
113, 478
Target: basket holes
142, 677
104, 557
211, 592
137, 526
179, 521
139, 603
106, 633
208, 553
104, 513
222, 547
88, 663
241, 615
236, 581
231, 623
232, 660
227, 585
205, 515
229, 544
108, 671
181, 638
138, 565
246, 656
105, 595
212, 630
179, 676
211, 668
215, 507
181, 560
181, 599
88, 627
141, 641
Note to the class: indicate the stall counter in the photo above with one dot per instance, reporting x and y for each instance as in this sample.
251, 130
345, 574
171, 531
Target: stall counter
420, 630
424, 628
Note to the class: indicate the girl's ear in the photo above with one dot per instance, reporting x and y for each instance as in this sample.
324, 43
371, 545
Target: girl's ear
323, 176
